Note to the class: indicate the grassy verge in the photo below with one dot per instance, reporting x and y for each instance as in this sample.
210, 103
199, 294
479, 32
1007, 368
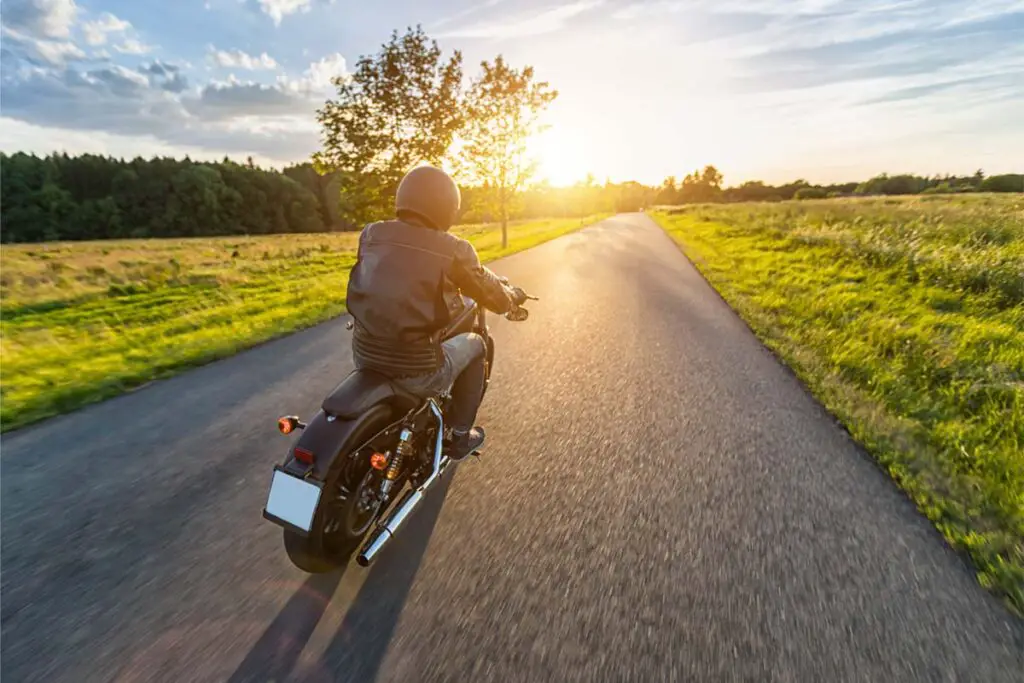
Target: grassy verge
84, 321
905, 317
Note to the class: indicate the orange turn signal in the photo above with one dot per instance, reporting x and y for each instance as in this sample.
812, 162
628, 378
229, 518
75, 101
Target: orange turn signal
288, 424
378, 461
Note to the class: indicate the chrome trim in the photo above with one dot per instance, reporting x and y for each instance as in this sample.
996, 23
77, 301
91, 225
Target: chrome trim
383, 533
440, 462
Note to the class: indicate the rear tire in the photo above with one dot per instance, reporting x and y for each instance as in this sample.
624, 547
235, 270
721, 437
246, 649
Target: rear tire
319, 553
302, 555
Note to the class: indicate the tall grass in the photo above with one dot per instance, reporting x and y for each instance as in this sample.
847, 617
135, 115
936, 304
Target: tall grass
83, 321
906, 318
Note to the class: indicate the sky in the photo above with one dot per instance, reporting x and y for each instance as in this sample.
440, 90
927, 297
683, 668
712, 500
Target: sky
826, 90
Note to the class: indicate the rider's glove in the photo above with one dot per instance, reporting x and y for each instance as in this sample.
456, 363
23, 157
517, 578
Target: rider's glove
519, 297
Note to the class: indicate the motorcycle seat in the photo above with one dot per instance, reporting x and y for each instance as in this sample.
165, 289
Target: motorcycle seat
362, 390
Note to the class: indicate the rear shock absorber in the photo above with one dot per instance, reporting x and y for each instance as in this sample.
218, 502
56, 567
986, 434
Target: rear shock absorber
403, 450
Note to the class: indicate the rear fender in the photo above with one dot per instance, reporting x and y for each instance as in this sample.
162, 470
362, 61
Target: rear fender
333, 440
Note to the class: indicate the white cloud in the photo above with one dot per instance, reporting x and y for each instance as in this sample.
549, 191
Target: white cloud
152, 101
40, 18
321, 72
233, 100
57, 52
279, 9
53, 52
545, 22
317, 78
20, 136
241, 60
638, 9
462, 14
165, 76
132, 46
118, 75
96, 31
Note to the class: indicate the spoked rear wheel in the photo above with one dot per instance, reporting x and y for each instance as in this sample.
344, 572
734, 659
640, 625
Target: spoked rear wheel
354, 513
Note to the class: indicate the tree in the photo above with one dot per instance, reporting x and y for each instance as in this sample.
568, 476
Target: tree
400, 107
711, 177
667, 193
810, 193
92, 197
701, 186
1010, 182
503, 107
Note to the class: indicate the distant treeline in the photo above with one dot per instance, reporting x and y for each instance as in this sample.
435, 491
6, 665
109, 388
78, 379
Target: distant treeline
706, 186
93, 197
61, 197
87, 197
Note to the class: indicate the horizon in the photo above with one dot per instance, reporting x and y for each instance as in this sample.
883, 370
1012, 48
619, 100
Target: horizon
542, 182
822, 90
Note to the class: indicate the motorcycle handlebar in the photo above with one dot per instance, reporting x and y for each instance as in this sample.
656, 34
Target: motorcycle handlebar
518, 313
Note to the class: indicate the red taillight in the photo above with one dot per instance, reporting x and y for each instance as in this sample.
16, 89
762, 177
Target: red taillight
302, 455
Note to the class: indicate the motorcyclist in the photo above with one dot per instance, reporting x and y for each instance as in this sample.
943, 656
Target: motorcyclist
403, 290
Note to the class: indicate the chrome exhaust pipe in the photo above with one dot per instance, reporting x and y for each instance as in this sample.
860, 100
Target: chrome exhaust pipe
383, 533
387, 528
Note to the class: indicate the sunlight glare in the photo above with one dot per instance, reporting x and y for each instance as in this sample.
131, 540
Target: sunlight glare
561, 155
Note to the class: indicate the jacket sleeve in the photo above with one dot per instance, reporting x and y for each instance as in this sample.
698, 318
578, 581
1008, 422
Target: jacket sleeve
477, 281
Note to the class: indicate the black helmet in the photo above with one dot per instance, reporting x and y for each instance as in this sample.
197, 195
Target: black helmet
430, 194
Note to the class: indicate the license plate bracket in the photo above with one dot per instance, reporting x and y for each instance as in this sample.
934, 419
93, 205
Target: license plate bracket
292, 501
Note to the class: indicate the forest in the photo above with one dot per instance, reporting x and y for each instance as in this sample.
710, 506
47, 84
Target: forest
87, 197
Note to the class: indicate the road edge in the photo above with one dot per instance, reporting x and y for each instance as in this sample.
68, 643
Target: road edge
817, 390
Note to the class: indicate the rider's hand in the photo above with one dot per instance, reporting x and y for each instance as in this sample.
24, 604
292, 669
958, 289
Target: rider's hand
519, 297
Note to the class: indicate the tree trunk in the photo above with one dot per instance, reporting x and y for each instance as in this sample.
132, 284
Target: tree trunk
504, 221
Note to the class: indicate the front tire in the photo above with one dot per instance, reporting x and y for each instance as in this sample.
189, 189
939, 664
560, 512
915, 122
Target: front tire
339, 529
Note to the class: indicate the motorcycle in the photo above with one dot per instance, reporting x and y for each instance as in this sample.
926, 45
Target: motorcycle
369, 442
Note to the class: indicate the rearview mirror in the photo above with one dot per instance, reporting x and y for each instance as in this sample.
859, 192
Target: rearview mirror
517, 315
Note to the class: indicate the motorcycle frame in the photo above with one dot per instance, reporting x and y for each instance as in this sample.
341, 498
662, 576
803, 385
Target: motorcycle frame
340, 443
331, 438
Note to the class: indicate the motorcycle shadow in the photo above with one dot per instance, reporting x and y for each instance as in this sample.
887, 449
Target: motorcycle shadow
357, 649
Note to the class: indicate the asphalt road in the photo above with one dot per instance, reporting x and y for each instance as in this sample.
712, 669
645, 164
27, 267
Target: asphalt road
660, 501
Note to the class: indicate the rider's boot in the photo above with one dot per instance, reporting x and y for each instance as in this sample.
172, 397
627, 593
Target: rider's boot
465, 443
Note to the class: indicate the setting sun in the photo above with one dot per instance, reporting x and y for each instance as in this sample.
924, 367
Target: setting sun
561, 155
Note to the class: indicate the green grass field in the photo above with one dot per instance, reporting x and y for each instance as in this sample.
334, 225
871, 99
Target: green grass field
905, 317
84, 321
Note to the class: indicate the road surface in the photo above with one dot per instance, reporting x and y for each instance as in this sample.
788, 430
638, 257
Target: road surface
660, 501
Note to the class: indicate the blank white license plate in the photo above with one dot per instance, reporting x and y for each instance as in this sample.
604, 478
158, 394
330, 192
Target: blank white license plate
293, 500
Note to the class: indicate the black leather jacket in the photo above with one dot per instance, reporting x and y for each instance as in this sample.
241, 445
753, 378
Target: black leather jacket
403, 290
